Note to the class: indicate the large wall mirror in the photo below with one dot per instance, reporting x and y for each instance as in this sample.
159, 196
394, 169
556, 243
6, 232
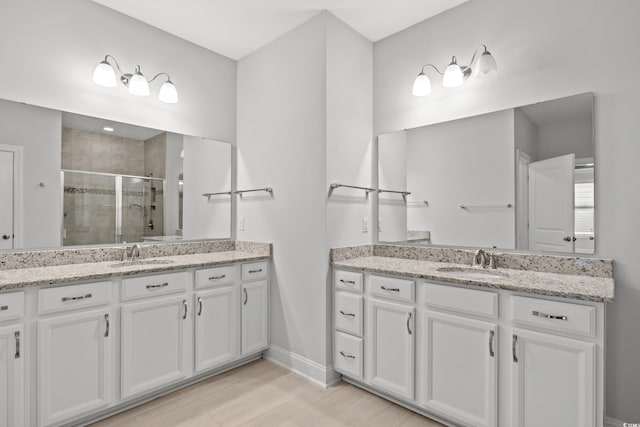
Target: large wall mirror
517, 179
69, 180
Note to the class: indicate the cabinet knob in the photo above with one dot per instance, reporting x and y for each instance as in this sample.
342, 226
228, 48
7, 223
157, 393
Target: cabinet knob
567, 239
6, 236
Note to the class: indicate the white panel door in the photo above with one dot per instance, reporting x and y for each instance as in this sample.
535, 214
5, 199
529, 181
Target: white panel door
460, 375
11, 376
255, 316
553, 380
551, 200
6, 199
74, 365
155, 346
217, 327
390, 347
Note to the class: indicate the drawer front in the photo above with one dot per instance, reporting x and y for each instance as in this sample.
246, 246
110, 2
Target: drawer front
216, 276
148, 286
348, 312
254, 271
348, 280
52, 300
554, 315
467, 301
11, 306
390, 287
348, 355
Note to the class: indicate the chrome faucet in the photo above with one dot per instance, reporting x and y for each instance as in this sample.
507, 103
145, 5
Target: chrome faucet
479, 259
135, 252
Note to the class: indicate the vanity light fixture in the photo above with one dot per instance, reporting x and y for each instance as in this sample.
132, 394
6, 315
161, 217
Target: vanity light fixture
454, 75
136, 82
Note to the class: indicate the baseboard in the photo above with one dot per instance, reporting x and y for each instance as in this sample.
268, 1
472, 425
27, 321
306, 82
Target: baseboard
319, 374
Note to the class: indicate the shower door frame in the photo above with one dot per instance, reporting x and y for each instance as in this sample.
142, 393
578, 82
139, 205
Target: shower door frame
118, 198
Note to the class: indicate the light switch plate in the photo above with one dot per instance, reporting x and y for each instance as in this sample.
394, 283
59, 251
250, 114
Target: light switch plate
241, 223
365, 224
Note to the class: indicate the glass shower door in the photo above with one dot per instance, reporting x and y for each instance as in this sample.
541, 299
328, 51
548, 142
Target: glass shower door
142, 209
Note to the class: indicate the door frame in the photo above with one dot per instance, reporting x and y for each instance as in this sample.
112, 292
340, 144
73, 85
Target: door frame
523, 160
18, 197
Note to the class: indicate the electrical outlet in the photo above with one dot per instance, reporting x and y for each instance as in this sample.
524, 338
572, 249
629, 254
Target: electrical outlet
365, 224
241, 223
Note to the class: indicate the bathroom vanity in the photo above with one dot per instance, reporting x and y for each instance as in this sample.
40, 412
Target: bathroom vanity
519, 345
79, 341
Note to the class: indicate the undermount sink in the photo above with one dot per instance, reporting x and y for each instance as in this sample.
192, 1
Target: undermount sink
124, 264
471, 273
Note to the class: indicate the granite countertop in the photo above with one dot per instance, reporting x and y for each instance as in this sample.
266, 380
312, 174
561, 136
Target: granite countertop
588, 288
63, 274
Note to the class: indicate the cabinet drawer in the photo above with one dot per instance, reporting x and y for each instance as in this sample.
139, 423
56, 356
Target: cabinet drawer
254, 271
348, 280
347, 358
468, 301
11, 306
52, 300
348, 312
390, 287
161, 284
215, 276
554, 315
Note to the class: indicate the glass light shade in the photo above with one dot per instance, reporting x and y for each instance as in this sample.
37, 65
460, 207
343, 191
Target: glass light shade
104, 75
486, 65
168, 93
422, 85
453, 76
138, 85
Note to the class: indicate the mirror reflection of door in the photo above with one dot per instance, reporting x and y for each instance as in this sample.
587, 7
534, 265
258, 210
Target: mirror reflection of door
6, 199
551, 204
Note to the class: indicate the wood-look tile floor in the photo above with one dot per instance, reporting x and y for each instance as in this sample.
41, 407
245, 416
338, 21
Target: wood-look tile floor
264, 394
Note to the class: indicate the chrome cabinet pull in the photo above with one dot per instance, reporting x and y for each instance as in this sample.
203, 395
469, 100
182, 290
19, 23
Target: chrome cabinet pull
348, 356
246, 296
65, 299
256, 271
349, 282
514, 342
17, 337
184, 304
161, 285
217, 277
549, 316
4, 307
106, 321
199, 306
491, 334
384, 288
408, 319
347, 314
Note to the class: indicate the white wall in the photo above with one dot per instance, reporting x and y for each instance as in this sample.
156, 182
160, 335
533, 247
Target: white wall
526, 134
39, 132
566, 137
471, 162
392, 175
207, 169
173, 167
545, 49
50, 49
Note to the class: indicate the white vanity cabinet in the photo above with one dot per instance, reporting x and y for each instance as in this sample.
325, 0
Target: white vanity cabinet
255, 308
11, 359
74, 351
155, 340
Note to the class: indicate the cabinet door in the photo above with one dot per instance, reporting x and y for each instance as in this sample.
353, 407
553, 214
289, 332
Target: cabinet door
255, 316
217, 327
460, 376
390, 350
74, 365
155, 344
553, 380
11, 376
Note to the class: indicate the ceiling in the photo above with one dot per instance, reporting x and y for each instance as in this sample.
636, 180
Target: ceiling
557, 110
96, 125
236, 28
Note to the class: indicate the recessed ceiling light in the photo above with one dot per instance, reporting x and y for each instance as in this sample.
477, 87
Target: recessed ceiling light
108, 129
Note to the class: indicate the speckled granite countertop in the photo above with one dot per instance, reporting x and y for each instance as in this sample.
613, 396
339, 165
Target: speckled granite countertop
63, 274
582, 287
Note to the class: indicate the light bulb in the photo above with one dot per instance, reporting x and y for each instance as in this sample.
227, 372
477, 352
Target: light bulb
168, 93
422, 85
104, 75
486, 65
138, 85
453, 76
